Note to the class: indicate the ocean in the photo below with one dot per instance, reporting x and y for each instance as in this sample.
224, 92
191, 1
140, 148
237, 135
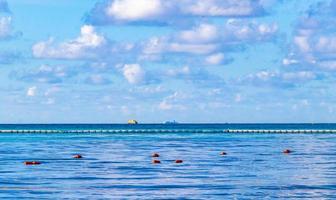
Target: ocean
119, 165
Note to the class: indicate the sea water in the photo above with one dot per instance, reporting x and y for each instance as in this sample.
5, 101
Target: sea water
119, 165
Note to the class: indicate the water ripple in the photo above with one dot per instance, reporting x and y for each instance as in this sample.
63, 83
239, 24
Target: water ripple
118, 166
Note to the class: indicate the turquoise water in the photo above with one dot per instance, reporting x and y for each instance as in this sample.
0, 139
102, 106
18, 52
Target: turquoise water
118, 166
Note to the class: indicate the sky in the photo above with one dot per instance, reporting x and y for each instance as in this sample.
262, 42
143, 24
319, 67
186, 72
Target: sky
214, 61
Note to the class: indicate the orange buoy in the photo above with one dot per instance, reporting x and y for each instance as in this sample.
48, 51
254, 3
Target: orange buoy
77, 156
223, 153
178, 161
156, 162
287, 151
155, 155
32, 163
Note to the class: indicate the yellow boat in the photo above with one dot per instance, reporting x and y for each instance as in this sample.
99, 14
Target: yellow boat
132, 121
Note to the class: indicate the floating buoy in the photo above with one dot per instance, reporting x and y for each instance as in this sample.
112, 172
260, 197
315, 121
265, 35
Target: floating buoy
178, 161
156, 162
287, 151
77, 156
155, 155
32, 163
223, 153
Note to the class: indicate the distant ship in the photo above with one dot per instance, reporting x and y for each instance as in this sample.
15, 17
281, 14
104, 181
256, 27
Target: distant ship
171, 122
132, 121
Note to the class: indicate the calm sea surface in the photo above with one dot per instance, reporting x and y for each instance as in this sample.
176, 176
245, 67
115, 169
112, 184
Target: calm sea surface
118, 166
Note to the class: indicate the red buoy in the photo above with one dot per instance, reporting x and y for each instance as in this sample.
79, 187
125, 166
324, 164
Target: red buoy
287, 151
77, 156
223, 153
32, 163
155, 155
156, 162
178, 161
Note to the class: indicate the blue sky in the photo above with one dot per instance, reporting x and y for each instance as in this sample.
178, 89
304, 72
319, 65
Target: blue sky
107, 61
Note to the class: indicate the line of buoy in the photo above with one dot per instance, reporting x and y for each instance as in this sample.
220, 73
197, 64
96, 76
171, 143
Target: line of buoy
280, 131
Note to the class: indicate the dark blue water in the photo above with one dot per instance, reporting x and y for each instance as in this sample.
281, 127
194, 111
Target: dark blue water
164, 126
118, 166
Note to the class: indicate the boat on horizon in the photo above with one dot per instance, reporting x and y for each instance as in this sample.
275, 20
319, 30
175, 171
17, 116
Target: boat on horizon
132, 121
171, 122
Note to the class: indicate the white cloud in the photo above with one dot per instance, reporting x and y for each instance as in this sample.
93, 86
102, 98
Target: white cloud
161, 45
133, 73
195, 75
52, 91
215, 59
302, 43
130, 10
287, 61
326, 44
191, 48
279, 79
299, 76
6, 29
172, 102
329, 65
205, 39
97, 79
6, 21
5, 26
154, 45
203, 33
179, 71
32, 91
314, 43
229, 8
164, 105
244, 31
265, 29
83, 46
89, 37
46, 74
